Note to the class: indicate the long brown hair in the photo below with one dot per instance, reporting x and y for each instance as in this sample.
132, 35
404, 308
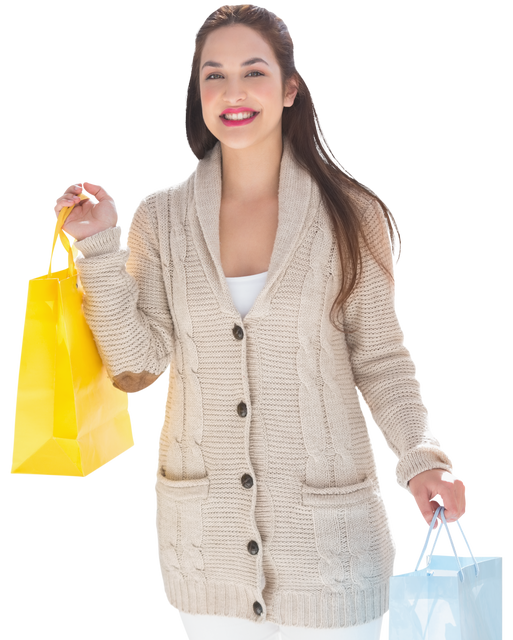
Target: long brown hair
301, 126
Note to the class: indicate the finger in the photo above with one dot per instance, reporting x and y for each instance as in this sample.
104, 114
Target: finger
424, 511
427, 508
73, 190
65, 196
427, 522
75, 187
98, 192
451, 495
426, 516
65, 202
69, 191
62, 204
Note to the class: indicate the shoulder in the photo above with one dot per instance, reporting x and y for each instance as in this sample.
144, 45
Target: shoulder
371, 217
365, 203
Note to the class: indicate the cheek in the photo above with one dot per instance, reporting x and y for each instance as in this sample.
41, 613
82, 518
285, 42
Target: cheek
208, 95
270, 96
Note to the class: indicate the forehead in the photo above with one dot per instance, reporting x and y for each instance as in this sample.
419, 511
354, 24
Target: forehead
234, 44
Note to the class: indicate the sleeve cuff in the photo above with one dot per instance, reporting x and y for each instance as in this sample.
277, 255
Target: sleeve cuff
103, 242
418, 462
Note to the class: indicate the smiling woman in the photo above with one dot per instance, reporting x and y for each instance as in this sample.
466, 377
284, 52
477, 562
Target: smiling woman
270, 514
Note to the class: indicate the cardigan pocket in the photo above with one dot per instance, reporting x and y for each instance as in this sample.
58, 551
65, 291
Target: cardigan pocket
182, 489
337, 496
352, 550
180, 524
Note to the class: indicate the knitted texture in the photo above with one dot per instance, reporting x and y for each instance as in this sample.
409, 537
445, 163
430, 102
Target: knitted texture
272, 396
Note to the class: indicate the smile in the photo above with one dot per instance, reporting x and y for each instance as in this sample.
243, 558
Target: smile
238, 123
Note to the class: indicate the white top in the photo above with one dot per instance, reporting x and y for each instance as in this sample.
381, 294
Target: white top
245, 289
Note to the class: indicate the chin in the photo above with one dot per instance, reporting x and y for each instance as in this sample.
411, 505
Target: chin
232, 143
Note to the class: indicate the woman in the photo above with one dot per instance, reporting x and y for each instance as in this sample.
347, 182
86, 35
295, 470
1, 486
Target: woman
269, 514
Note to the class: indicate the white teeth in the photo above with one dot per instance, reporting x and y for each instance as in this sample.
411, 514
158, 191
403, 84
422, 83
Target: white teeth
243, 115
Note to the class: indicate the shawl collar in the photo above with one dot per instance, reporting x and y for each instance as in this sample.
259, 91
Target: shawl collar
298, 201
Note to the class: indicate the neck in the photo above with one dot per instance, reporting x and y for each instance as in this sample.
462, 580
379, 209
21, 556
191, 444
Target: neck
253, 173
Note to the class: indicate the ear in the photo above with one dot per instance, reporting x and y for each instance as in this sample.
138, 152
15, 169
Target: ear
290, 92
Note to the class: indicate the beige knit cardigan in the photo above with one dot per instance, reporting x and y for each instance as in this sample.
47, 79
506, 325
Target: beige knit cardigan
268, 502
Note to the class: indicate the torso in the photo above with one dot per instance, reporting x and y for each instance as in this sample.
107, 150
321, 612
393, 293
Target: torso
247, 237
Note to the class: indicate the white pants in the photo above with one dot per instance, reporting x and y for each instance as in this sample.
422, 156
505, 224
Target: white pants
204, 627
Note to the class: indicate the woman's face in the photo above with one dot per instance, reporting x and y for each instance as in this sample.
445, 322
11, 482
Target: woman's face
239, 73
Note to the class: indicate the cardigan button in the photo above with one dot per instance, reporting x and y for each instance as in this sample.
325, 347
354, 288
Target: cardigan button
242, 409
257, 608
252, 547
247, 481
238, 332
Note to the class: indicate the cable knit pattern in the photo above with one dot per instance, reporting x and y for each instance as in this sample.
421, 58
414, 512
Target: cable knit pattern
268, 501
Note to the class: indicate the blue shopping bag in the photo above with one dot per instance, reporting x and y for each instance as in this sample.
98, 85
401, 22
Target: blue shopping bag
452, 598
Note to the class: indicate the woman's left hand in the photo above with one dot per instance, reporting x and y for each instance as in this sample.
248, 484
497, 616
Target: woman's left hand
428, 484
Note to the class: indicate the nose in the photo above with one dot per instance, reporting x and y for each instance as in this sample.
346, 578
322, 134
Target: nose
234, 91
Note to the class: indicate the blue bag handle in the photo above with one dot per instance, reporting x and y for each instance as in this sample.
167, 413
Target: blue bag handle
431, 541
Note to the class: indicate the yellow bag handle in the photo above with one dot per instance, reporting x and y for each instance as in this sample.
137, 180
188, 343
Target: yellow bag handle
72, 251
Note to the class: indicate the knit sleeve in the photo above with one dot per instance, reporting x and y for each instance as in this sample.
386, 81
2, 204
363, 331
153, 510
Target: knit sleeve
125, 302
382, 367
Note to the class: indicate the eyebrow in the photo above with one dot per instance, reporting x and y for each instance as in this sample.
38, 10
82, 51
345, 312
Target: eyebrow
211, 63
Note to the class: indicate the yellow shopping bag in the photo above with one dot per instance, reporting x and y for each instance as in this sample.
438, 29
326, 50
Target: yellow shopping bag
70, 419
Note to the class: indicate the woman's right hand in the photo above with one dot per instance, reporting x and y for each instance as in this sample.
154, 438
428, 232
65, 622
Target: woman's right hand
87, 218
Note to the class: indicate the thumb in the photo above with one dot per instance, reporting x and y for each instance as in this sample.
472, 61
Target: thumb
428, 508
98, 192
434, 506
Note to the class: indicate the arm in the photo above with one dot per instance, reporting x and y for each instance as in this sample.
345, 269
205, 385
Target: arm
382, 366
125, 302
